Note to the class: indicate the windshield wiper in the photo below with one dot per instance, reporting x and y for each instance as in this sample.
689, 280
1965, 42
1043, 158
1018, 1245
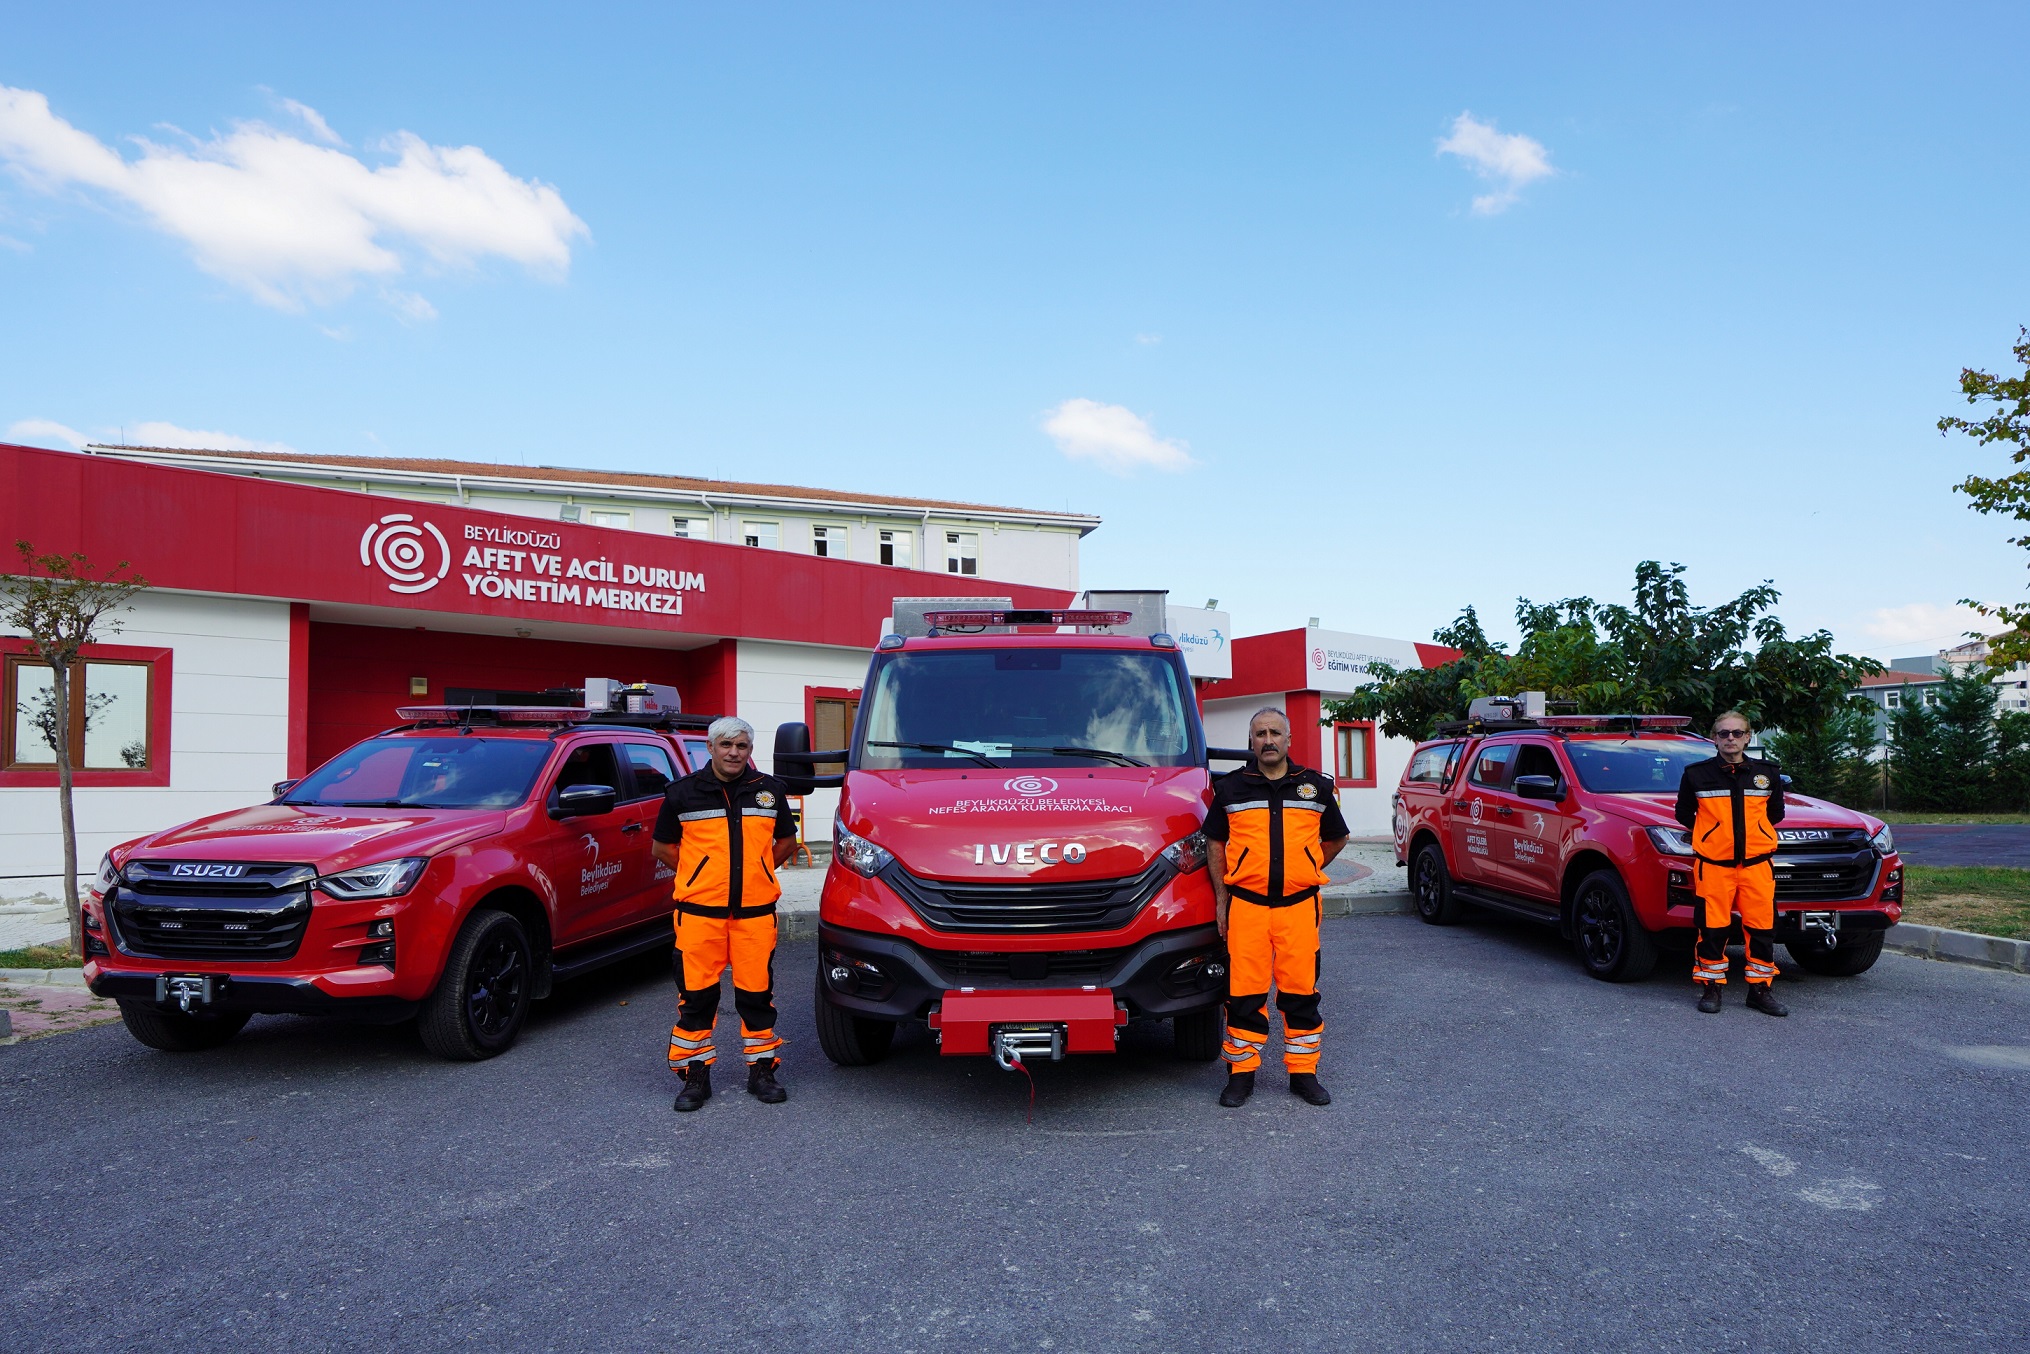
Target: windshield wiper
934, 747
357, 803
1101, 754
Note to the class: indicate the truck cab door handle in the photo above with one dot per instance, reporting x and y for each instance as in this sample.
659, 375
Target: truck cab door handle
1460, 804
1505, 811
636, 827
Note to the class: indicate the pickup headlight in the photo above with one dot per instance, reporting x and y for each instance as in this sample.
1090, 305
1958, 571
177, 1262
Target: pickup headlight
1187, 854
858, 854
1884, 841
108, 876
1670, 841
389, 879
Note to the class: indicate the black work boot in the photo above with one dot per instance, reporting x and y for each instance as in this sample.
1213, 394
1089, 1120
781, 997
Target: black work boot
761, 1082
1304, 1085
1709, 999
1239, 1086
1760, 998
697, 1088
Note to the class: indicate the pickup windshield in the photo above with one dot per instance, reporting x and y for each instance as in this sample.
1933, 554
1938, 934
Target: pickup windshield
1634, 766
426, 773
1026, 707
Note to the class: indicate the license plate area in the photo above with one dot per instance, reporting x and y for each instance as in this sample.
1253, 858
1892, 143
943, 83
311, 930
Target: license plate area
1043, 1023
188, 992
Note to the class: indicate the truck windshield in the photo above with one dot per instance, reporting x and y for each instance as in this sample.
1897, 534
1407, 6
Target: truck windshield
1026, 707
1634, 766
426, 773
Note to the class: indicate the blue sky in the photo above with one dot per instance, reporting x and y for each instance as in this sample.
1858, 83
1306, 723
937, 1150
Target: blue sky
1203, 270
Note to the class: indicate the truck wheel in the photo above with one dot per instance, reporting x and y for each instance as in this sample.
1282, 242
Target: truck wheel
175, 1032
1431, 886
483, 997
1850, 958
847, 1039
1611, 942
1196, 1035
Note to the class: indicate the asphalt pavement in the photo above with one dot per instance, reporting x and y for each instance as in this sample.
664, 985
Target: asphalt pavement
1518, 1158
1964, 843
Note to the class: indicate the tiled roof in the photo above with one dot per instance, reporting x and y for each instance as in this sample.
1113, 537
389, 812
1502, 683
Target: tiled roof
1897, 677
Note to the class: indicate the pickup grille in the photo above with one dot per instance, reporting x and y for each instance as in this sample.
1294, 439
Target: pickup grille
1087, 905
1838, 865
258, 914
1028, 965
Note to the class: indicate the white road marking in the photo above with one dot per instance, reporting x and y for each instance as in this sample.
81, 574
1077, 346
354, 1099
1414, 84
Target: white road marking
1851, 1193
1776, 1163
2008, 1057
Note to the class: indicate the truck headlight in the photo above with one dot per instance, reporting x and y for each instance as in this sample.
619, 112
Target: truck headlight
1187, 854
1884, 841
108, 876
389, 879
858, 854
1670, 841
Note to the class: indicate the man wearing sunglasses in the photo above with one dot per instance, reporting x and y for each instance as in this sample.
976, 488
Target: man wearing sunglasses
1731, 804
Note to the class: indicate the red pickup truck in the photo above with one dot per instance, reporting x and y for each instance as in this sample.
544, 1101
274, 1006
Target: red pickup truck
451, 869
1569, 820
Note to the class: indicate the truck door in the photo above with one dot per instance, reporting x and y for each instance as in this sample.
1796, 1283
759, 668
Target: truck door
652, 769
586, 857
1531, 834
1478, 799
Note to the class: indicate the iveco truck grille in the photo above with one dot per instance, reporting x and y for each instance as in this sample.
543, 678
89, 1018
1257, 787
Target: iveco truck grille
1087, 905
1028, 965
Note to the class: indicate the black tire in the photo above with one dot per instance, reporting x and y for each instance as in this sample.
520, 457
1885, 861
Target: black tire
847, 1039
1852, 958
174, 1032
1611, 942
1197, 1035
1431, 886
481, 1001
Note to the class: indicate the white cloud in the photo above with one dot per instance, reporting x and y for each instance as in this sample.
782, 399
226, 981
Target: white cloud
1148, 340
197, 439
1921, 625
309, 117
1118, 440
32, 430
1510, 159
294, 223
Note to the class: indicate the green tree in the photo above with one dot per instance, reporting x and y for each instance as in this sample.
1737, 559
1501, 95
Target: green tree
2007, 422
61, 605
1830, 757
2012, 761
1942, 754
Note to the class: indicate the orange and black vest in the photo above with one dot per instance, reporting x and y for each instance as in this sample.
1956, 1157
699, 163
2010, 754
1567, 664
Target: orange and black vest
1274, 832
1732, 810
725, 834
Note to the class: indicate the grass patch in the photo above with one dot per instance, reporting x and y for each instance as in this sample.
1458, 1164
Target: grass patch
1993, 900
41, 956
1945, 819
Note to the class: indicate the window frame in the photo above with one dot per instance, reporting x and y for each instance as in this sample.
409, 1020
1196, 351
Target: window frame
814, 694
625, 516
681, 524
905, 537
823, 539
775, 531
1371, 780
955, 556
161, 672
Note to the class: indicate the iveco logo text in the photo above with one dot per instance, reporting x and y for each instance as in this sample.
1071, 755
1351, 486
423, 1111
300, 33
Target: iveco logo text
1029, 853
395, 545
187, 870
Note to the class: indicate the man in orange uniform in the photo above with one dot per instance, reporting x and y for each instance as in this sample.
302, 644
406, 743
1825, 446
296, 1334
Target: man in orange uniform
725, 829
1731, 804
1270, 832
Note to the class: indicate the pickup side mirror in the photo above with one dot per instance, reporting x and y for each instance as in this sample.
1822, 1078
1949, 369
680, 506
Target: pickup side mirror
794, 759
585, 801
1540, 787
283, 787
1241, 755
1785, 780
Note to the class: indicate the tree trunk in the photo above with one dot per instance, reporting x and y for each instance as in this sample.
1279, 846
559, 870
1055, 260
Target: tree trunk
60, 679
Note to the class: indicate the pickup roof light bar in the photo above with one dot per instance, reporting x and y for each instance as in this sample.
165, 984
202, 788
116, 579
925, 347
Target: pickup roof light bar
969, 620
496, 714
1563, 724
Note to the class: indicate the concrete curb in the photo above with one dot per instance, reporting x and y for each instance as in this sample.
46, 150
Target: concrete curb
1959, 947
43, 977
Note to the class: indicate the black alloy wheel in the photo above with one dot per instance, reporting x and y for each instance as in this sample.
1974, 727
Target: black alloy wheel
1612, 944
495, 986
483, 997
1431, 886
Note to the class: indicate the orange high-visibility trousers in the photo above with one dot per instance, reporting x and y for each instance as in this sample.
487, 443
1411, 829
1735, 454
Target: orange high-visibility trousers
1279, 945
706, 948
1724, 890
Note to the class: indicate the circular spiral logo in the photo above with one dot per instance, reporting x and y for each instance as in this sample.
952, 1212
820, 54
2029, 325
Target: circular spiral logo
1032, 786
396, 546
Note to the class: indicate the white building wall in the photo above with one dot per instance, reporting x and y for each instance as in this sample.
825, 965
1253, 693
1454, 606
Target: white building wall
770, 680
1368, 812
228, 738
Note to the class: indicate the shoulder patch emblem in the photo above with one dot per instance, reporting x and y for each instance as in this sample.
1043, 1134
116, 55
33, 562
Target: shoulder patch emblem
1307, 791
766, 799
1762, 782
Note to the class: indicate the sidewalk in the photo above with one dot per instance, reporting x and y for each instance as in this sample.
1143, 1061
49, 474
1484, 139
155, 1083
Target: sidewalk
33, 1009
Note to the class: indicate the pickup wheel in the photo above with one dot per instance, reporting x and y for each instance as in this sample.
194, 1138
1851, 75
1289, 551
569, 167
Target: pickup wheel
1846, 961
175, 1032
1431, 886
1611, 942
483, 998
847, 1039
1196, 1035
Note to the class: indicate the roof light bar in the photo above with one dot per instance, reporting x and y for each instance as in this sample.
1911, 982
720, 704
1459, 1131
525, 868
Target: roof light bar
952, 620
504, 714
1613, 721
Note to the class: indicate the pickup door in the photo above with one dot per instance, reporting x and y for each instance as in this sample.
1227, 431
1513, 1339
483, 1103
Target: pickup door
1479, 798
587, 857
1531, 837
653, 768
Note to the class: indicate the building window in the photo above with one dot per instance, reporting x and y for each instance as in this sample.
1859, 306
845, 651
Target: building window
112, 716
1353, 752
691, 528
895, 548
832, 716
1931, 698
623, 520
765, 535
828, 542
1893, 699
962, 552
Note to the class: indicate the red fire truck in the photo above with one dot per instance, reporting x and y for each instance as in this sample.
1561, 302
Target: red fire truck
1018, 859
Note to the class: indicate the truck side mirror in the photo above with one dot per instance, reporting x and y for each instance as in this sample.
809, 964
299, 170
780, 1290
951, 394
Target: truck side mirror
1539, 787
793, 758
585, 801
283, 787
